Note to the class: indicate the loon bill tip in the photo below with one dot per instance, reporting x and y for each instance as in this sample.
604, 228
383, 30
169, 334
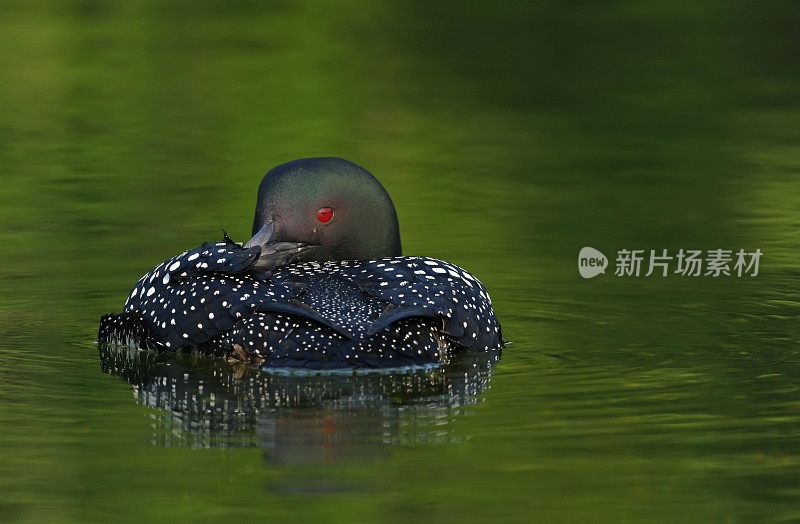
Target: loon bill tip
263, 236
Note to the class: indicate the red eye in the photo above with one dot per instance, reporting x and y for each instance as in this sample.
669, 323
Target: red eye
325, 214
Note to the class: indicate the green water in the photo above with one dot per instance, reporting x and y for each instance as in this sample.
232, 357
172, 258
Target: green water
509, 136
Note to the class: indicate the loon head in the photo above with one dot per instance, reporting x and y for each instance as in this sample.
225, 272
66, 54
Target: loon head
324, 209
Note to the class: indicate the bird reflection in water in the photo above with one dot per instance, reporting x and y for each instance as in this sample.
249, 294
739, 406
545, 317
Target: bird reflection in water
298, 419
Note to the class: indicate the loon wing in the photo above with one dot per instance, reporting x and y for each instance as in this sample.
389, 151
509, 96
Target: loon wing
225, 257
393, 313
428, 288
228, 257
194, 296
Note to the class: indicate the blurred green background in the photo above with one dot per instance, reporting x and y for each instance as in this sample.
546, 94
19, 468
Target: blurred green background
509, 135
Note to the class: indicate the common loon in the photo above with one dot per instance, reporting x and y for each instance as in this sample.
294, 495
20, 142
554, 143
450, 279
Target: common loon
321, 285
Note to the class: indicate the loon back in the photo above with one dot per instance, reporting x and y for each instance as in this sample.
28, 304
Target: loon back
395, 311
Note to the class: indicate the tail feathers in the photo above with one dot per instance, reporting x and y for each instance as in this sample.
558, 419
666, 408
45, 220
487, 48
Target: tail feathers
126, 329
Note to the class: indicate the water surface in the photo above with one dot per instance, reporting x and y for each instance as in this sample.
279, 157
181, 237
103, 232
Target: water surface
509, 138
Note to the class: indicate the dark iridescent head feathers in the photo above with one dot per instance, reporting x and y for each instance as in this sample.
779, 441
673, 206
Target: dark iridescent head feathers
330, 203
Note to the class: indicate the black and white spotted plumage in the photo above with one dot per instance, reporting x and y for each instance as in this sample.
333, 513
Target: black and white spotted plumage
389, 312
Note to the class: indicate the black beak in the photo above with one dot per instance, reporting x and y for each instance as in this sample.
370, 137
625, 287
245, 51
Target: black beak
274, 254
264, 236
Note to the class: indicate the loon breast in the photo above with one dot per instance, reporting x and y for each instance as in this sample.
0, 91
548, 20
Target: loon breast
388, 312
